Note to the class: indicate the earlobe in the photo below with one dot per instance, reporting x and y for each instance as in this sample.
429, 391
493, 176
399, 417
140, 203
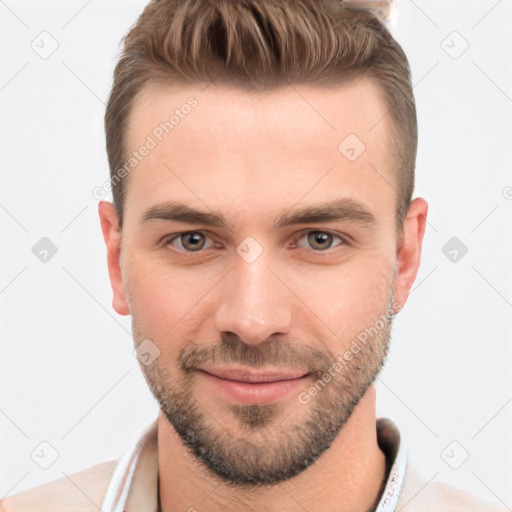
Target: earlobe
409, 252
112, 236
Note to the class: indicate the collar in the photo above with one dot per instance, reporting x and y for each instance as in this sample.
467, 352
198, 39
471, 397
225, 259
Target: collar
395, 449
134, 483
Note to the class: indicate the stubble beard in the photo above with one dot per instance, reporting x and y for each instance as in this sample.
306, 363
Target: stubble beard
257, 445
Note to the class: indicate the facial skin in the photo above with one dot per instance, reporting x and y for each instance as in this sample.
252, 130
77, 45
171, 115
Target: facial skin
299, 304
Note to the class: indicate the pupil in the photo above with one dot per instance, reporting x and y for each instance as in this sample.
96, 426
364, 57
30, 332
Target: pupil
320, 238
194, 240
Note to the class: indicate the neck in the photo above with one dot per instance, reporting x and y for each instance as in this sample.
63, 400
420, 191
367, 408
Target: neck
347, 477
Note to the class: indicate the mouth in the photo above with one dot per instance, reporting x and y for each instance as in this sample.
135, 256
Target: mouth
251, 386
255, 376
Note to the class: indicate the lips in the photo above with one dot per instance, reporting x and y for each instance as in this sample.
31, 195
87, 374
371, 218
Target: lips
253, 386
255, 375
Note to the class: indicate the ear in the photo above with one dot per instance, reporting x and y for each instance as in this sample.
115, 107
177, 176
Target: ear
409, 250
112, 236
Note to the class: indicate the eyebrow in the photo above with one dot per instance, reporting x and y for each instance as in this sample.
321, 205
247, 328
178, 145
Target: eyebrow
344, 209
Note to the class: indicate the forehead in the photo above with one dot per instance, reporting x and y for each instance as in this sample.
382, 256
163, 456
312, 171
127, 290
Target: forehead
221, 146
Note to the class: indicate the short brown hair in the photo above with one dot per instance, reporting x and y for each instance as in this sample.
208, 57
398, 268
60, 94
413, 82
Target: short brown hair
261, 45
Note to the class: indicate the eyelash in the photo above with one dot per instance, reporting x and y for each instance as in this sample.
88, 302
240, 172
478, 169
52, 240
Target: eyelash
344, 240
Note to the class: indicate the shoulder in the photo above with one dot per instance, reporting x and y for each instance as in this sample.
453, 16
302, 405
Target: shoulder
420, 495
82, 491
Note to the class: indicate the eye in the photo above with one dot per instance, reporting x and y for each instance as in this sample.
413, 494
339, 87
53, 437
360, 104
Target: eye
191, 241
321, 240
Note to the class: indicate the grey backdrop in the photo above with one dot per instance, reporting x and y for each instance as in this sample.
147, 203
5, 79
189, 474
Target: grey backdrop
68, 376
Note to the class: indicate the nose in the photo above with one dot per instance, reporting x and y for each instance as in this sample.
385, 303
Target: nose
254, 304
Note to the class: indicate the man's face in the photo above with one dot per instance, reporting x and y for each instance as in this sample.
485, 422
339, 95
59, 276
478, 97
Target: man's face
293, 256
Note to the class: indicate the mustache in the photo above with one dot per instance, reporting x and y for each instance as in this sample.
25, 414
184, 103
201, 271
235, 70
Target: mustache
231, 350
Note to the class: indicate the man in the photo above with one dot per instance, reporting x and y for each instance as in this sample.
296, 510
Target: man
262, 238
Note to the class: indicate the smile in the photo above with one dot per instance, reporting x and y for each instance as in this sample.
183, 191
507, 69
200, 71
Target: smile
251, 386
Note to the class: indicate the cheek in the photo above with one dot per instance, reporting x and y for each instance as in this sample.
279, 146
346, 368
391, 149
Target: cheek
345, 300
167, 302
